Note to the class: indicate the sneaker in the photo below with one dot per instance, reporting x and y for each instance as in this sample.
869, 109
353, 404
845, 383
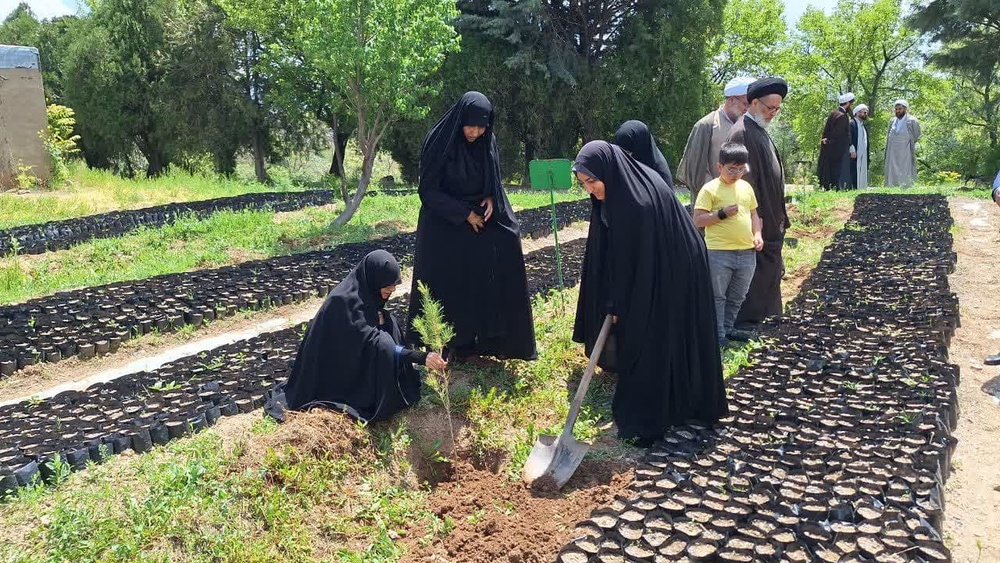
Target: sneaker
993, 360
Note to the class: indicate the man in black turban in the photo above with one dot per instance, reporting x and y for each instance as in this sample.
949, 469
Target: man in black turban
766, 175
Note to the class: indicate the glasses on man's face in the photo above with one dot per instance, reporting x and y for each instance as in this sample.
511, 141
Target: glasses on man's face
772, 109
742, 100
735, 170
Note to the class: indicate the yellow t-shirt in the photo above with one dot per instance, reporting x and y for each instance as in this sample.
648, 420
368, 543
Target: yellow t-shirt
735, 233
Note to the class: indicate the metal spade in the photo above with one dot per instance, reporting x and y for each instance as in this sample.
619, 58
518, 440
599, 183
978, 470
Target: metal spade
553, 459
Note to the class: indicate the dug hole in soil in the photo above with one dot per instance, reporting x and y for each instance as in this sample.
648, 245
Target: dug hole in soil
494, 518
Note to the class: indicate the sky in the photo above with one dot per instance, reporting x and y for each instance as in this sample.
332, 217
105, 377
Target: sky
795, 8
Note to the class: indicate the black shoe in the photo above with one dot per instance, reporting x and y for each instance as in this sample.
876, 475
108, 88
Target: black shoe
740, 335
993, 360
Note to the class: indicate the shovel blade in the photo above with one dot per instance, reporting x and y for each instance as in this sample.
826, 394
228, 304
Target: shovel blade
552, 461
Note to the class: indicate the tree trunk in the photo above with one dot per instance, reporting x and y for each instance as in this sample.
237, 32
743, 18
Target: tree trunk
258, 155
337, 162
368, 151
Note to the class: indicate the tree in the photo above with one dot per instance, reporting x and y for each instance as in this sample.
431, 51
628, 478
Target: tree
753, 34
114, 78
20, 27
380, 58
969, 33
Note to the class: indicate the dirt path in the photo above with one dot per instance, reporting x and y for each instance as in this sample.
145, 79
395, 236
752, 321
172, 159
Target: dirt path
972, 497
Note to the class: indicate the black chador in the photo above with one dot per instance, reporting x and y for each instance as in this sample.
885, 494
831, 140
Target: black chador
352, 356
475, 271
647, 264
635, 138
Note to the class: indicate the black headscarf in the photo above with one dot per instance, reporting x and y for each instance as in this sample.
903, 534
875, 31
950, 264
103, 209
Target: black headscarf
347, 360
445, 141
634, 137
646, 263
478, 277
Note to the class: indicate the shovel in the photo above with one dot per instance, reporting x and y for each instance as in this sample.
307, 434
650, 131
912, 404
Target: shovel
553, 459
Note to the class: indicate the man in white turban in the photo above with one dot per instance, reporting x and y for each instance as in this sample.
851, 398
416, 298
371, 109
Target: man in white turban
901, 147
835, 162
701, 154
860, 147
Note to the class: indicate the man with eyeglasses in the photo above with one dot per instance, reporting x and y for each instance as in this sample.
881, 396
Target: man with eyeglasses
699, 164
767, 177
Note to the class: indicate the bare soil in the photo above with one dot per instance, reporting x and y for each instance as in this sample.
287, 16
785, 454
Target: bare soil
972, 494
499, 520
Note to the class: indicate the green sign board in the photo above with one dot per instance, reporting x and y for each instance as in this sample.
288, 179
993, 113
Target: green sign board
552, 174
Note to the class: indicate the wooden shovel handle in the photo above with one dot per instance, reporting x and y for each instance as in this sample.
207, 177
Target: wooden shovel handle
581, 391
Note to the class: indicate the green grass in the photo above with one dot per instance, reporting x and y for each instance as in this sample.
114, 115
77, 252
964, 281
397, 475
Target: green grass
224, 238
196, 500
98, 191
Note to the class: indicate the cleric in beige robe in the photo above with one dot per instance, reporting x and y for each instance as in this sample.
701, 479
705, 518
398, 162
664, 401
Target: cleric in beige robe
901, 147
701, 154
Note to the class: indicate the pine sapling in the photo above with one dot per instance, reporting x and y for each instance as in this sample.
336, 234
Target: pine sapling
436, 333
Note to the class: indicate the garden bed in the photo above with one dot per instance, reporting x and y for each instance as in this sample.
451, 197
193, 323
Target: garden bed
839, 439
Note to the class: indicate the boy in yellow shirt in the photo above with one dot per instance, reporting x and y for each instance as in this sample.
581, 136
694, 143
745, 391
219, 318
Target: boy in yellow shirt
727, 209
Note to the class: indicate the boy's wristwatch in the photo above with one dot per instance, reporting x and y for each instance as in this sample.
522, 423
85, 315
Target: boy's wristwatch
722, 214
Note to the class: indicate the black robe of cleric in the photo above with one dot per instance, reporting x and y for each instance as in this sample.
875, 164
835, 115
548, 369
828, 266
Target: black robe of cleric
635, 138
478, 276
646, 263
352, 356
835, 163
766, 175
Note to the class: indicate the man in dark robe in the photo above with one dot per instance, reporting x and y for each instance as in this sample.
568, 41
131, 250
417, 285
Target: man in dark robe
647, 266
835, 161
635, 138
468, 240
766, 175
352, 357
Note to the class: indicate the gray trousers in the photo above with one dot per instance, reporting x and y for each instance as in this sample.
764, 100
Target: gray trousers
732, 271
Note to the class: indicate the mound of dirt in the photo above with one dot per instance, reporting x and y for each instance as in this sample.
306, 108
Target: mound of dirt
498, 520
317, 433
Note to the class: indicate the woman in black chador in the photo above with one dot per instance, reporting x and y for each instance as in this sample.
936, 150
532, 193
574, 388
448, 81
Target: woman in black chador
647, 265
468, 240
638, 142
352, 357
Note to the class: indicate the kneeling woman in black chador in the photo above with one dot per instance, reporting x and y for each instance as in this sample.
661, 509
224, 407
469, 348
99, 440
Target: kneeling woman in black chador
352, 357
638, 142
468, 240
647, 265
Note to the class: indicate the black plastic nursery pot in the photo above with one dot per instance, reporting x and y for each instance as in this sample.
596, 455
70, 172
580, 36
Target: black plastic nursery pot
96, 320
838, 440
